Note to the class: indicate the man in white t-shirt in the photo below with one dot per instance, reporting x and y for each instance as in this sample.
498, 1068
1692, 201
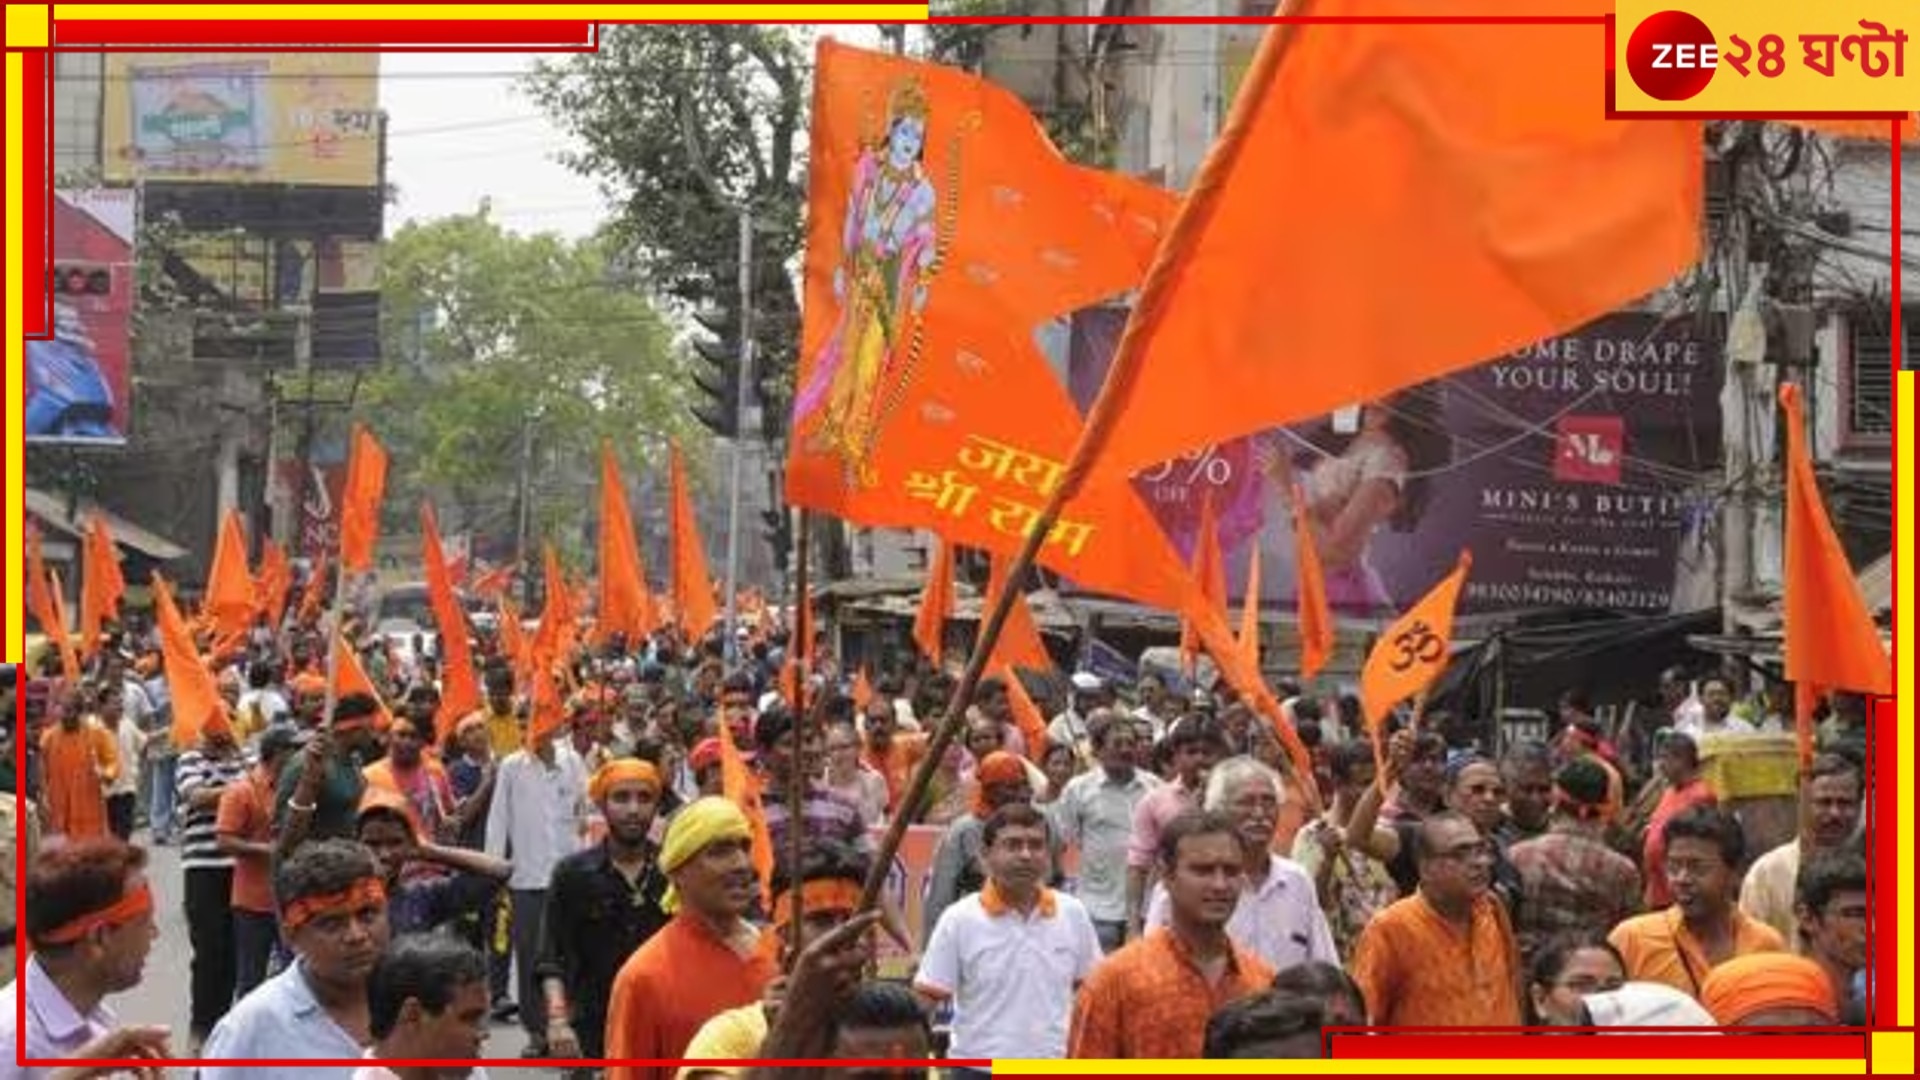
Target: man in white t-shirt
1010, 956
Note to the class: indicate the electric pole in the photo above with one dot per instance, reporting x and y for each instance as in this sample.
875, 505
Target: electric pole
741, 405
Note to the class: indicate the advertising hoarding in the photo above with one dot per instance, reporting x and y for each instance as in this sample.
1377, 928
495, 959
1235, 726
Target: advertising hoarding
79, 380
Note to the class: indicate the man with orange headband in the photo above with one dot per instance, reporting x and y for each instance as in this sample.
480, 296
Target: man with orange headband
1571, 882
708, 958
89, 918
1770, 990
320, 790
603, 904
333, 914
1001, 780
831, 876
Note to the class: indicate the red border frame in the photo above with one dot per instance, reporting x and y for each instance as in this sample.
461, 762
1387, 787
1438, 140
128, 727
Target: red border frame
1411, 1045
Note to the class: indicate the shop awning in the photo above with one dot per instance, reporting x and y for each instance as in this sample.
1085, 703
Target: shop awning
52, 509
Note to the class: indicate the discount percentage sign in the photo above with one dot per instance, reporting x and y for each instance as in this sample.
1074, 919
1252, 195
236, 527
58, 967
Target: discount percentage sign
1208, 465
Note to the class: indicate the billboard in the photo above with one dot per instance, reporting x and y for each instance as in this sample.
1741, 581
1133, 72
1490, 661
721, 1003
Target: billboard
1568, 468
237, 118
80, 378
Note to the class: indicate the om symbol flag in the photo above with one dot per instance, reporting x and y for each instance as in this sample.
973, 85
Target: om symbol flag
1412, 652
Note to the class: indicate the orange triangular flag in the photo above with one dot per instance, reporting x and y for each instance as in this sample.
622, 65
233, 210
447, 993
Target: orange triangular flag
63, 638
46, 608
554, 637
196, 697
1020, 643
229, 599
1210, 570
1249, 639
314, 599
936, 605
272, 584
1831, 641
494, 583
923, 399
799, 665
360, 502
862, 690
101, 585
1315, 614
739, 785
1525, 222
350, 678
513, 638
1216, 638
692, 586
624, 604
546, 708
1412, 652
1026, 716
459, 689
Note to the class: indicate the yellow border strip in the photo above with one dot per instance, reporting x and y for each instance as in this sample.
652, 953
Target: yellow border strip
590, 12
16, 357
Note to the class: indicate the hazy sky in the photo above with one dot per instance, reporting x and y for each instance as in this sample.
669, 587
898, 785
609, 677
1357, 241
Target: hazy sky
460, 129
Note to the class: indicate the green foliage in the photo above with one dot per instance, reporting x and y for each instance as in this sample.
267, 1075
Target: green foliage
492, 337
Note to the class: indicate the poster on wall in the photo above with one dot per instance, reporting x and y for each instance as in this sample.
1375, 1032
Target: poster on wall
1570, 468
79, 380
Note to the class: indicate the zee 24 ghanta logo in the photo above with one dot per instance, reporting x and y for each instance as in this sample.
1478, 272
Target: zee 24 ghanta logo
1672, 55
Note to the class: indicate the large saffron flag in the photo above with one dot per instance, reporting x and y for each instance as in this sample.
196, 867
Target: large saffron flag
624, 604
692, 585
1831, 641
1315, 614
943, 231
936, 606
459, 689
230, 593
360, 502
190, 685
1389, 202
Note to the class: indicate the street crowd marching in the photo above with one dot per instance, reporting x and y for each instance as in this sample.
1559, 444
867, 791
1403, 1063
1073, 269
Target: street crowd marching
647, 834
348, 877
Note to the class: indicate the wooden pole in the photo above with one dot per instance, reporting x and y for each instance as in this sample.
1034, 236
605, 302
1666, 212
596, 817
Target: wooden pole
797, 777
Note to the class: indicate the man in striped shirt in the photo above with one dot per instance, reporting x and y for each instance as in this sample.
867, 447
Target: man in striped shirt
204, 773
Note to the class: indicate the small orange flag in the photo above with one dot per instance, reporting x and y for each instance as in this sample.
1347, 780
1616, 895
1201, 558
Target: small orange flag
742, 787
1411, 653
552, 638
46, 608
102, 585
494, 583
624, 605
862, 690
196, 697
1216, 638
513, 639
350, 678
69, 658
1315, 614
547, 710
1210, 570
692, 586
799, 664
229, 599
314, 599
1020, 643
1250, 606
936, 605
272, 583
1475, 231
1831, 641
459, 689
1026, 716
360, 502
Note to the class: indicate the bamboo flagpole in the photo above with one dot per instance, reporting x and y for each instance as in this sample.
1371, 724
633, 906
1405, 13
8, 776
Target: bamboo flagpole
797, 777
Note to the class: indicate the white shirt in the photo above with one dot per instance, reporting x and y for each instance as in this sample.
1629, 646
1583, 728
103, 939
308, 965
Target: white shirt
280, 1019
1279, 919
1695, 726
273, 707
1011, 976
128, 741
1095, 815
536, 814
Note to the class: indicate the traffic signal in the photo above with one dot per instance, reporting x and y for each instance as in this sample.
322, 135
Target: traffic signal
717, 375
779, 535
80, 279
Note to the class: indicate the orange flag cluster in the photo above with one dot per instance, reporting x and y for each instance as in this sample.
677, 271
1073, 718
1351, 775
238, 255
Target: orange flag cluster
271, 585
1831, 641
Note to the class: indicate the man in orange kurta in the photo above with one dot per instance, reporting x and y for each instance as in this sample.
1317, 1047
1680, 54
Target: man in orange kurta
79, 761
708, 958
1445, 956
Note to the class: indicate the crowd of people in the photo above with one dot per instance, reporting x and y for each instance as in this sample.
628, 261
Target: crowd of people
1155, 879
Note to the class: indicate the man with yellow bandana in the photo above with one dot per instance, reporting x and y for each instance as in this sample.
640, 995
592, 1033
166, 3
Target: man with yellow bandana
830, 878
708, 958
